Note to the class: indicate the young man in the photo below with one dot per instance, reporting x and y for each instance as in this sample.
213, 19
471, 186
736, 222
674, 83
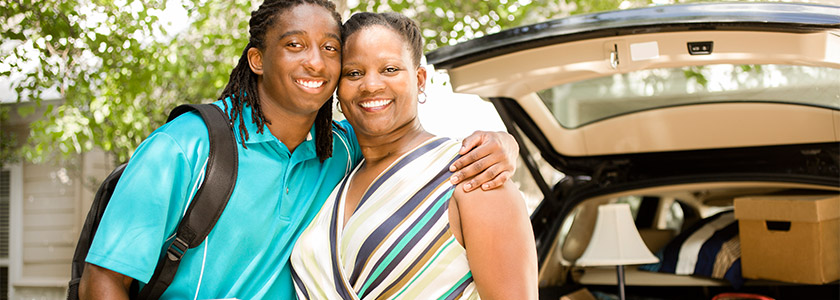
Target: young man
283, 82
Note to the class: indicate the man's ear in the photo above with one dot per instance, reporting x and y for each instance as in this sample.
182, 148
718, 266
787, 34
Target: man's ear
421, 78
255, 60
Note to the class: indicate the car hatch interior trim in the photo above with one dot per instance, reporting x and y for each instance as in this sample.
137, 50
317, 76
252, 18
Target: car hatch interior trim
787, 17
539, 68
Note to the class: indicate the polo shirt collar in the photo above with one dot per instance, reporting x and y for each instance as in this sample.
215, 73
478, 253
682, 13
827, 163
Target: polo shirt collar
307, 147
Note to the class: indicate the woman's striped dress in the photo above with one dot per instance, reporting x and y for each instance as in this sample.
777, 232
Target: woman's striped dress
396, 245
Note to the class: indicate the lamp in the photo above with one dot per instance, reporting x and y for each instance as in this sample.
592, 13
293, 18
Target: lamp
616, 242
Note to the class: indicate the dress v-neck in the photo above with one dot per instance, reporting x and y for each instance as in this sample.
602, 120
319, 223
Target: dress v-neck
343, 197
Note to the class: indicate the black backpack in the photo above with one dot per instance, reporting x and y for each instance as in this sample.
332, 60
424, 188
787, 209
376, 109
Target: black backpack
203, 212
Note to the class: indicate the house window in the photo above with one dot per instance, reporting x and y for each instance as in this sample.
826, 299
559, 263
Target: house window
5, 197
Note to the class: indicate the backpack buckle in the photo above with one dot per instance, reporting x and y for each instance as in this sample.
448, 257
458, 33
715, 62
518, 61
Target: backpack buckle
177, 249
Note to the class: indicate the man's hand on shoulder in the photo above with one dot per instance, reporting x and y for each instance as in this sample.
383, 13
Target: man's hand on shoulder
488, 160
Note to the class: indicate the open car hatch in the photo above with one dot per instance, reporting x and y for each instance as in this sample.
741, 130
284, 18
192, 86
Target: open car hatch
668, 95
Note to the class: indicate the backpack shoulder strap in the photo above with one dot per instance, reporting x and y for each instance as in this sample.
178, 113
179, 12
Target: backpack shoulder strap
209, 201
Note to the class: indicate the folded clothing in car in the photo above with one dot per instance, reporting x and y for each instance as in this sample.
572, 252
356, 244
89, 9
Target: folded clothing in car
709, 248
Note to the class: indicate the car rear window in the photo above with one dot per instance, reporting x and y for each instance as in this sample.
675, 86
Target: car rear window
579, 103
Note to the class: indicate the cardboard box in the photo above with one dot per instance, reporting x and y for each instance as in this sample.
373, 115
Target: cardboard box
581, 294
790, 238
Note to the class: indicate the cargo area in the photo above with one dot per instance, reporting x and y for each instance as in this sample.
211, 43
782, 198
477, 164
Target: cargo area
781, 240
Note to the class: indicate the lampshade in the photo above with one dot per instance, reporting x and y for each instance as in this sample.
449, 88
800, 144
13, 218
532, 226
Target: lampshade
615, 240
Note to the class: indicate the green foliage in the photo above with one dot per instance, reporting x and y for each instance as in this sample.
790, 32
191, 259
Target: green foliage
119, 71
447, 22
8, 151
696, 73
8, 145
115, 67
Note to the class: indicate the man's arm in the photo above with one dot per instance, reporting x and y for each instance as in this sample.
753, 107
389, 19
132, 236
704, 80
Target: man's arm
137, 220
101, 283
488, 160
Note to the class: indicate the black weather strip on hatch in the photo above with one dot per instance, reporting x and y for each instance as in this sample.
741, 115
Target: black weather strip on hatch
523, 151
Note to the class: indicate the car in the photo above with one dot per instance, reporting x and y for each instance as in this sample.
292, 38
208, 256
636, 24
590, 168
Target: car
677, 110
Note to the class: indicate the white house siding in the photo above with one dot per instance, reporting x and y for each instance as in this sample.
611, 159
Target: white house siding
49, 216
55, 200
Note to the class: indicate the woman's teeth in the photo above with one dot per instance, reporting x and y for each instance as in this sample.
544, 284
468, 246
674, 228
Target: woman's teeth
376, 103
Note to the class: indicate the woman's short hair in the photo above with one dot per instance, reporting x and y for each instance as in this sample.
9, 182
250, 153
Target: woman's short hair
401, 24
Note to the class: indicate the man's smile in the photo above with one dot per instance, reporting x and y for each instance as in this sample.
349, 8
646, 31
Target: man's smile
310, 83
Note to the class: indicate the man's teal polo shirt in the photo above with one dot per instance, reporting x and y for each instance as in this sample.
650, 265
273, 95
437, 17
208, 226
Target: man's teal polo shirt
246, 255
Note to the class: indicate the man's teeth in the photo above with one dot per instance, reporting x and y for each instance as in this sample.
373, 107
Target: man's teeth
377, 103
312, 84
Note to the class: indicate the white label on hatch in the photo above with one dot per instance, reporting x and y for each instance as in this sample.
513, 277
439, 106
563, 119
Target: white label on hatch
644, 51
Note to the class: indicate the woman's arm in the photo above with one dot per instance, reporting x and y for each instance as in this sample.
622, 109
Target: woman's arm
495, 229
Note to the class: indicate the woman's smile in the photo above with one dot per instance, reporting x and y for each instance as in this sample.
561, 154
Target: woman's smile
374, 105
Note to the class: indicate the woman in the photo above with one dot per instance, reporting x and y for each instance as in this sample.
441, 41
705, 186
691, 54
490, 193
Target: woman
395, 228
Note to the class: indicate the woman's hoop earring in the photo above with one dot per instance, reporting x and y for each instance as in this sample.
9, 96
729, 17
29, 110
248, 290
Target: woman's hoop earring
338, 106
422, 97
